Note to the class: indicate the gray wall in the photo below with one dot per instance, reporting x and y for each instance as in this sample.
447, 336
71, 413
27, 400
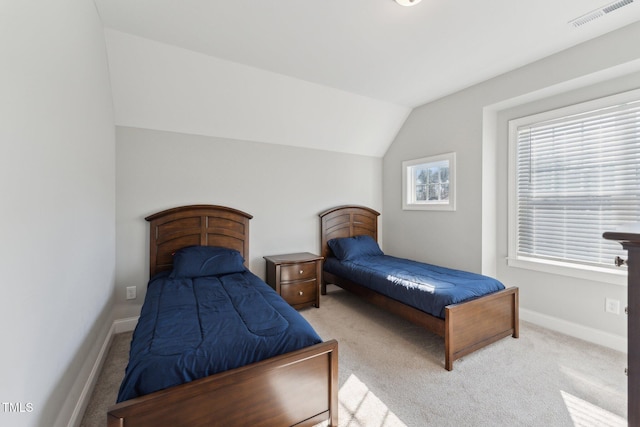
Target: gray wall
474, 236
57, 181
283, 187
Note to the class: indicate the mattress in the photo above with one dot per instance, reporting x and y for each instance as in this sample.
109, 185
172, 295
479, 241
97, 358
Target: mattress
426, 287
190, 328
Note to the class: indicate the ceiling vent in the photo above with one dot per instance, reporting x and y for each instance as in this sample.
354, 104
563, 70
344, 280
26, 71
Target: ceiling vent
599, 13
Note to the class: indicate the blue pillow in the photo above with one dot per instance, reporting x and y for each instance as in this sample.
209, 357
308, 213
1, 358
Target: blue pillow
350, 248
199, 261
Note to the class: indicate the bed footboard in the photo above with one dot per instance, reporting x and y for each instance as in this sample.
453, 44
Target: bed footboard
474, 324
295, 389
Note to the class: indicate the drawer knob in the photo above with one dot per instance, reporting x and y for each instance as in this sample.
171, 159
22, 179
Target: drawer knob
300, 293
301, 271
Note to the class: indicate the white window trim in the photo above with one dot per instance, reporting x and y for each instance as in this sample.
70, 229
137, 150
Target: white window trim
597, 274
615, 275
408, 185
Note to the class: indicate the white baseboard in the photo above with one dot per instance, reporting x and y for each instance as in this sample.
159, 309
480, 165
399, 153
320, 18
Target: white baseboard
585, 333
125, 325
118, 326
85, 395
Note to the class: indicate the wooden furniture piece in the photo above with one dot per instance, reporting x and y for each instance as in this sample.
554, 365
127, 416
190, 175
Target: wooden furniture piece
296, 277
466, 327
629, 237
298, 388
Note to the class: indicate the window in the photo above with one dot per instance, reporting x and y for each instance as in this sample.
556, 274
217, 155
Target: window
429, 183
573, 174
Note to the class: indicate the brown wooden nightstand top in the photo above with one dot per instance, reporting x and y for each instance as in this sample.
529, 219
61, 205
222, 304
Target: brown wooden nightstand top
293, 258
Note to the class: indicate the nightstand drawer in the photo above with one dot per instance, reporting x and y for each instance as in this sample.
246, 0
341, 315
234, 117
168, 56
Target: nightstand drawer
300, 293
301, 271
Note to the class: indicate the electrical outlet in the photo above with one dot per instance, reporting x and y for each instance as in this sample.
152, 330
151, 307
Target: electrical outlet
612, 306
131, 292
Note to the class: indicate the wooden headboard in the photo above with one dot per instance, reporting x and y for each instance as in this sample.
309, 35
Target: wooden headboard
347, 221
206, 225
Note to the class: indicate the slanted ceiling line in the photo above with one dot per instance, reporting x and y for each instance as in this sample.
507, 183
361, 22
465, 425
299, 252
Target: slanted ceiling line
599, 13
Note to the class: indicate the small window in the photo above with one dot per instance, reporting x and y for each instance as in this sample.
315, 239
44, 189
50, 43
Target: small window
429, 183
574, 173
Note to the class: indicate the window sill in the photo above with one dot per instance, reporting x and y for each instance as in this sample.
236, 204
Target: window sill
606, 275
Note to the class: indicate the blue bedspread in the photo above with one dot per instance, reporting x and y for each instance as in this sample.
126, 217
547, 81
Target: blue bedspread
427, 287
192, 328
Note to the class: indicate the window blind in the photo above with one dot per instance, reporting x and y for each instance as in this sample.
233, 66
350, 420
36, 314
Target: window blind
577, 176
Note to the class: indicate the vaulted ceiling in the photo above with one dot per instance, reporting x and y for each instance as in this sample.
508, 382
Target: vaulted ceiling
375, 49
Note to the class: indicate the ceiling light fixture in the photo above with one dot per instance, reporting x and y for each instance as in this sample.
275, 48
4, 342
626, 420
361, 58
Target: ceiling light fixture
408, 2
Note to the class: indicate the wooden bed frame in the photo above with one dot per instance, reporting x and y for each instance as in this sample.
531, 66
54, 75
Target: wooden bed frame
466, 327
298, 388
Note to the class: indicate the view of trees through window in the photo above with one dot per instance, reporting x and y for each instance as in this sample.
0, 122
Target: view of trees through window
432, 183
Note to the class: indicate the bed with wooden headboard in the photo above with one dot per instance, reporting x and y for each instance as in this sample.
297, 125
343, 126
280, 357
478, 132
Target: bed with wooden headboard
466, 327
297, 388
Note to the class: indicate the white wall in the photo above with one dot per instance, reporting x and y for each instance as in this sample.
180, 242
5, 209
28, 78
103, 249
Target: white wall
474, 236
57, 183
283, 187
157, 86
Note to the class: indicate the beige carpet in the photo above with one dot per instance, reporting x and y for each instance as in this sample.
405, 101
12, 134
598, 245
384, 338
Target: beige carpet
392, 374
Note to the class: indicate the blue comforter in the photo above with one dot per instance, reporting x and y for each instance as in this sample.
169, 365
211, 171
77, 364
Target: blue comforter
192, 328
427, 287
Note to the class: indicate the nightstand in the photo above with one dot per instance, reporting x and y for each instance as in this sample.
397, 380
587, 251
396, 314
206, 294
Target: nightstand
296, 277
